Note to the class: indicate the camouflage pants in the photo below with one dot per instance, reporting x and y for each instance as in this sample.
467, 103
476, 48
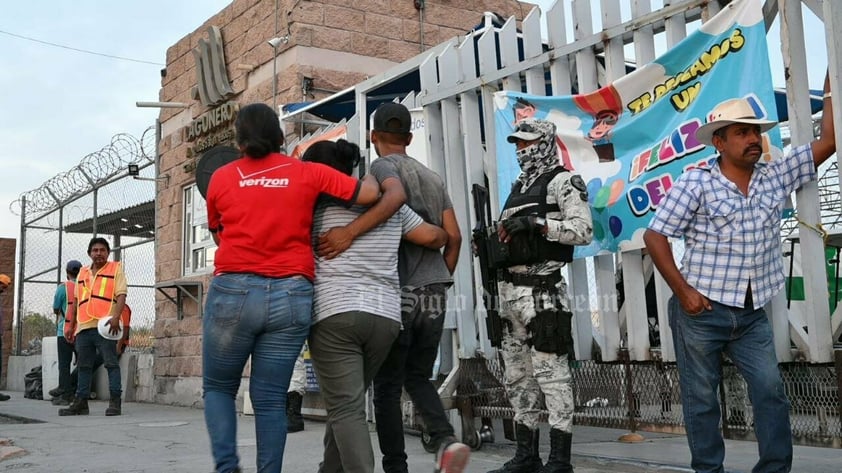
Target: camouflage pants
299, 375
530, 372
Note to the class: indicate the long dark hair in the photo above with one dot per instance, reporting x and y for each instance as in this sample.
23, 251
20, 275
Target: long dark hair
258, 130
341, 155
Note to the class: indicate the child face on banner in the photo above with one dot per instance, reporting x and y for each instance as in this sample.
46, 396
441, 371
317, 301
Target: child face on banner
523, 110
602, 125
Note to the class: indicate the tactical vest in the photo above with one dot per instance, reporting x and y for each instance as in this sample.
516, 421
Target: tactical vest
95, 294
533, 247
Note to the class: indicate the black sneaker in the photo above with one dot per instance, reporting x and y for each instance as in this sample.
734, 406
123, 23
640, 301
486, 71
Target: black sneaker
60, 401
4, 397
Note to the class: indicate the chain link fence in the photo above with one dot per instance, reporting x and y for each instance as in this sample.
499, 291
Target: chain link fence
646, 397
58, 219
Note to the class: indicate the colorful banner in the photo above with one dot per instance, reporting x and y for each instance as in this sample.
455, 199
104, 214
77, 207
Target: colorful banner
632, 139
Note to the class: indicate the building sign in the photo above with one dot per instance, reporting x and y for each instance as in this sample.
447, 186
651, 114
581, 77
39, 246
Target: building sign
212, 128
212, 84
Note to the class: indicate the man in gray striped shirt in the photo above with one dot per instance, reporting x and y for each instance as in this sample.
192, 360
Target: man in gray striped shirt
356, 312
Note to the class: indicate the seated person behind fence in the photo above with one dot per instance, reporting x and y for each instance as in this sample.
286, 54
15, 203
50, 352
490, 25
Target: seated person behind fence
295, 394
357, 312
729, 217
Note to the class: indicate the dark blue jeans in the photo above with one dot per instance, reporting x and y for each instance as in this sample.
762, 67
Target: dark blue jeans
88, 342
268, 320
65, 357
745, 335
409, 365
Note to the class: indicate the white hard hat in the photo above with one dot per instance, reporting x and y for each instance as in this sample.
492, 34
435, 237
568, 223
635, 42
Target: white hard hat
105, 329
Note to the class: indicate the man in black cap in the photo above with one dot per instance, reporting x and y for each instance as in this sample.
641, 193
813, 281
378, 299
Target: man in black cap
63, 394
425, 275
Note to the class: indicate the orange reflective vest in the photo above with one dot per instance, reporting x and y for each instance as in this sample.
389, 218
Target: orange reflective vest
95, 292
70, 289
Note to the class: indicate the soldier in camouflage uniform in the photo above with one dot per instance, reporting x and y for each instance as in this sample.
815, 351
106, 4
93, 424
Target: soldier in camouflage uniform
545, 215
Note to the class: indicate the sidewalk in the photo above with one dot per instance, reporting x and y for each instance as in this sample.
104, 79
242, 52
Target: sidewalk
155, 438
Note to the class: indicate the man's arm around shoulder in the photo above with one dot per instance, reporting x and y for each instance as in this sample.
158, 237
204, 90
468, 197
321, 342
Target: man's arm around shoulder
336, 240
454, 239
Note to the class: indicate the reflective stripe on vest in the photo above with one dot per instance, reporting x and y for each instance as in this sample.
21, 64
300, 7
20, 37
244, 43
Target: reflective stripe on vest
96, 293
70, 293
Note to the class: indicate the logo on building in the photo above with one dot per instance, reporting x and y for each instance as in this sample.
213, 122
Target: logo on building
212, 84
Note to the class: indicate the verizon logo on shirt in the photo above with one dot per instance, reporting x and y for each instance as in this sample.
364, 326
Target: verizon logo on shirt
247, 180
264, 181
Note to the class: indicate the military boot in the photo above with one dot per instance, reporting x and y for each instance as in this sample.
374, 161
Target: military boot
79, 407
295, 423
115, 405
559, 461
526, 459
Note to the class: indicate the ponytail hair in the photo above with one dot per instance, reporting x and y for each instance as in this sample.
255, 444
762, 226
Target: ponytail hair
341, 155
258, 130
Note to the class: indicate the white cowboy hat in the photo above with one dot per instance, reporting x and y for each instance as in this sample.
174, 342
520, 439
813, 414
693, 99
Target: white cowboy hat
727, 113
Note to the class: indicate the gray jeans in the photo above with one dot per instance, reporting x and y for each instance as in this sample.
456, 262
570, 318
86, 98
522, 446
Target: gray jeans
347, 350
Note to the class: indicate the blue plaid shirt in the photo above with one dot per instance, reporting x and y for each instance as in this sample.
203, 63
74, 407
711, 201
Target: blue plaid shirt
730, 239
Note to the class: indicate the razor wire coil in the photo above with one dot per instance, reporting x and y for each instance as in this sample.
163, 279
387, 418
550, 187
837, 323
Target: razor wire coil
93, 170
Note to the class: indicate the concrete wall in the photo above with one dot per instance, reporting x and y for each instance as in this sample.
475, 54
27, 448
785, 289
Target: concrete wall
135, 370
337, 44
18, 367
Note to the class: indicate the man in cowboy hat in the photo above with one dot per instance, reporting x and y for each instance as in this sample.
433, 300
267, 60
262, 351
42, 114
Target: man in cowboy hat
729, 217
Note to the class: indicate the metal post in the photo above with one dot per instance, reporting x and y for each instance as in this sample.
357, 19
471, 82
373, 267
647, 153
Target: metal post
93, 218
118, 250
275, 63
21, 271
837, 358
633, 405
59, 274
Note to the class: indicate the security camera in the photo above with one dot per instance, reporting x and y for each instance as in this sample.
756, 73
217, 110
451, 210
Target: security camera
277, 41
134, 170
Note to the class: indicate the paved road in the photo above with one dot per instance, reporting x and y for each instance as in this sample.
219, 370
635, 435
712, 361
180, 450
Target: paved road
155, 438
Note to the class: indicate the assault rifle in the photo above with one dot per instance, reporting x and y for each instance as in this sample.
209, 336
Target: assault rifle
482, 236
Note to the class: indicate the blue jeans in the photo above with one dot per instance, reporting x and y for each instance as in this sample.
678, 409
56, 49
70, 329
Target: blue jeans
745, 335
267, 319
65, 357
88, 342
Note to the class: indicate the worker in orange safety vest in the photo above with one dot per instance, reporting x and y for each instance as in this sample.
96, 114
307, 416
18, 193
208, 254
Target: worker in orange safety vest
100, 293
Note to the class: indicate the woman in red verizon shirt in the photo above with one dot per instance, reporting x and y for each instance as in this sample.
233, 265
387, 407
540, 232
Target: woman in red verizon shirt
260, 210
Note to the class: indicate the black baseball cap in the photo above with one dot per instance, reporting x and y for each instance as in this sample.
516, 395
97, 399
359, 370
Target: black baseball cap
73, 266
392, 118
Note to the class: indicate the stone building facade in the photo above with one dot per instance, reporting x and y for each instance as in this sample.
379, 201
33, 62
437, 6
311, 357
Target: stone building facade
336, 44
8, 251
